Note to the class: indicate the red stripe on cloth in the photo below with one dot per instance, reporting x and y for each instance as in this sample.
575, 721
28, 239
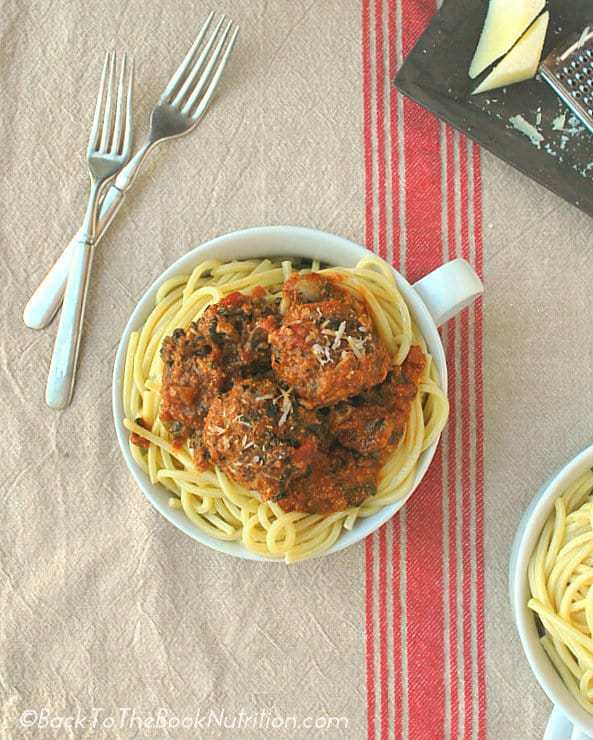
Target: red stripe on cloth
395, 251
466, 464
452, 459
424, 577
367, 123
422, 158
397, 639
425, 614
393, 113
382, 251
425, 643
423, 192
380, 106
370, 636
480, 453
383, 631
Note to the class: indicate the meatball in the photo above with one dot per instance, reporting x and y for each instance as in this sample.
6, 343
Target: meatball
238, 328
192, 377
326, 348
338, 480
261, 437
229, 341
374, 421
311, 288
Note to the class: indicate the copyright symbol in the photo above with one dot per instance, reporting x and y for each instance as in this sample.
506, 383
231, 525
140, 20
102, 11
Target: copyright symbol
28, 718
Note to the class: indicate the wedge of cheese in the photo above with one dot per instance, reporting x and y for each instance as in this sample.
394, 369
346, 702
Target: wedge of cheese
522, 61
505, 22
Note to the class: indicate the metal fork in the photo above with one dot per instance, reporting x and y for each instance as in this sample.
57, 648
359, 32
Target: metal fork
110, 147
179, 110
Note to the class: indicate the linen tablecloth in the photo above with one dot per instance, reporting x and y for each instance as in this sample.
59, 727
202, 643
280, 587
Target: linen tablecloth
110, 617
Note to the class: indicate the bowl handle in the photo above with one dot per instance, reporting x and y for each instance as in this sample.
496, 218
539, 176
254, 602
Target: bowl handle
559, 727
449, 289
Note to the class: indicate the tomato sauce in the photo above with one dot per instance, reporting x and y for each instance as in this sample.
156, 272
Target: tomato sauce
302, 407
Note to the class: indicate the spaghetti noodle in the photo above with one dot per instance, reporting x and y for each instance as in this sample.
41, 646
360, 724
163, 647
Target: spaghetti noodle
561, 583
217, 505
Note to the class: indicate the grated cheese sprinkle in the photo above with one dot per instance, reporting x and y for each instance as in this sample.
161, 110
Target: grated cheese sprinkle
321, 353
286, 407
339, 335
357, 346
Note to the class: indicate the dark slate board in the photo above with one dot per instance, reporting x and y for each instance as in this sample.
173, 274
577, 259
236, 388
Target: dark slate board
435, 75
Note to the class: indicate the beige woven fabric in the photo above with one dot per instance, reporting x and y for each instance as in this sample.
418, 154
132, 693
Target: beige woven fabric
104, 605
538, 398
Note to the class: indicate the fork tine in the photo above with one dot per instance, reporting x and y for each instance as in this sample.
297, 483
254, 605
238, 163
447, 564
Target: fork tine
129, 129
181, 71
187, 85
108, 114
94, 137
203, 104
119, 113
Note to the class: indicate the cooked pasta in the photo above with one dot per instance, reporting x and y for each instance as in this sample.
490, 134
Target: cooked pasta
219, 506
561, 584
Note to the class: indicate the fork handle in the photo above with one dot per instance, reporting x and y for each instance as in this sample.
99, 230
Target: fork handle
45, 301
62, 371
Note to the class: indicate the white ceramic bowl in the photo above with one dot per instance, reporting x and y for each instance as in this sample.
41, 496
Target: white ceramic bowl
433, 300
569, 719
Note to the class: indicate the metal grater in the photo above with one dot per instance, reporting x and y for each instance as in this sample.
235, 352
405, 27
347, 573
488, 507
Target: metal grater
569, 71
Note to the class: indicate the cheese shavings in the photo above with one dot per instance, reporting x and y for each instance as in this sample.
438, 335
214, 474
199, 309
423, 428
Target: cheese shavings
286, 407
527, 129
357, 346
322, 354
559, 122
339, 334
